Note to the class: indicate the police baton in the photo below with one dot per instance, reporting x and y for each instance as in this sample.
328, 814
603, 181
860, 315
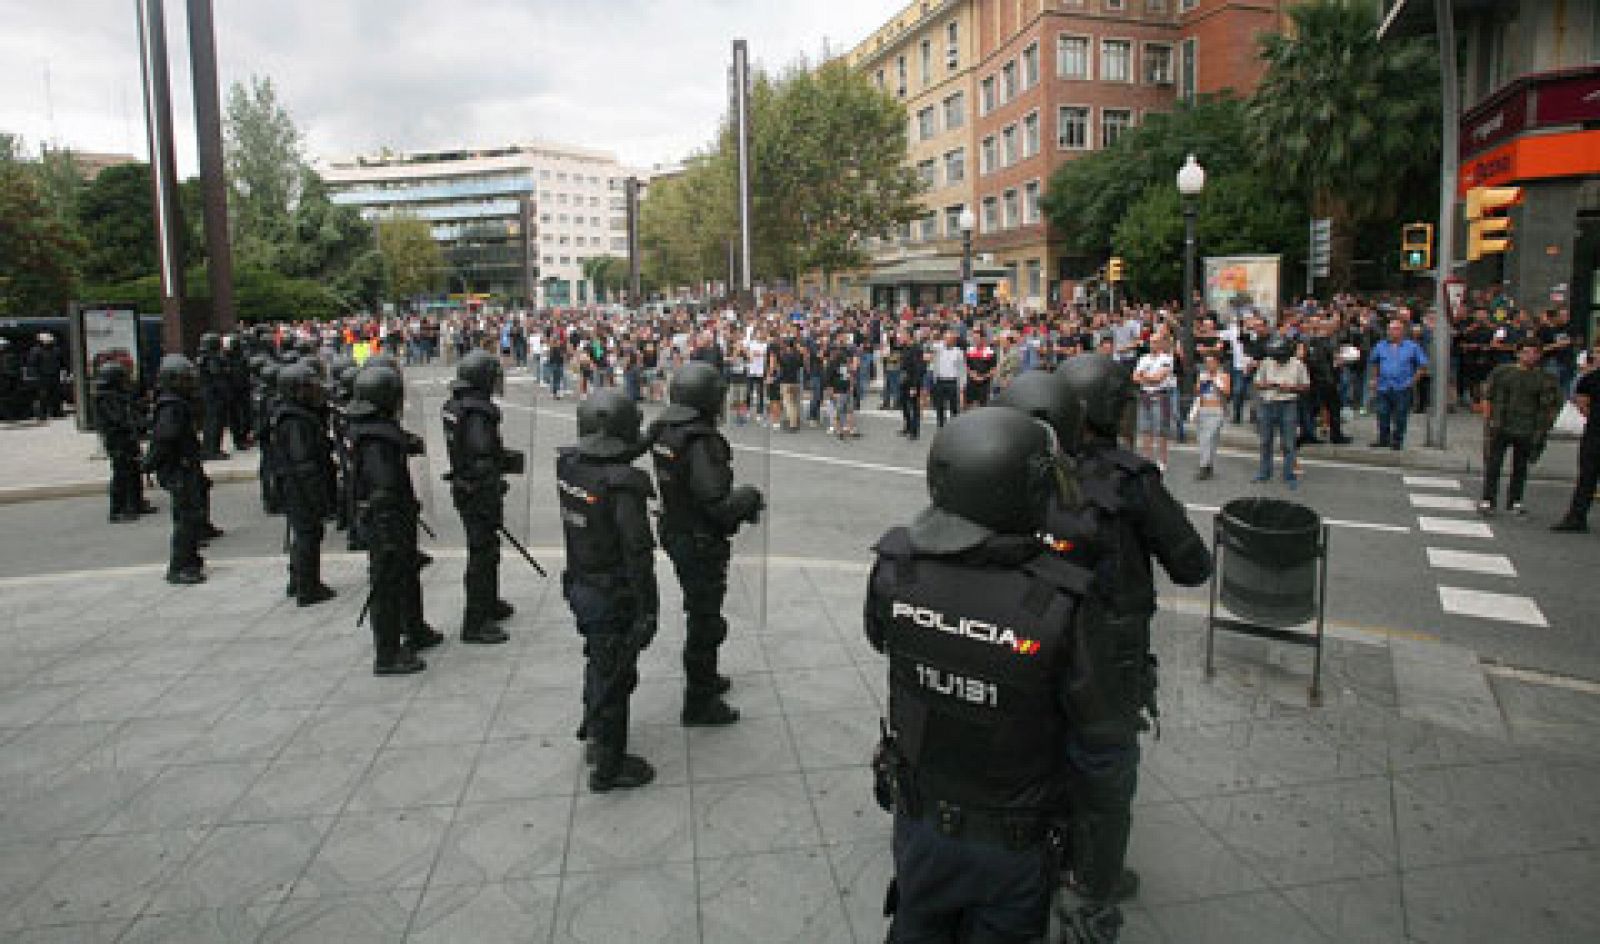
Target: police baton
521, 550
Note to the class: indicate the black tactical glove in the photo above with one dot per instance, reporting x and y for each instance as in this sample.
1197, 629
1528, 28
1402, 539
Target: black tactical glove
415, 446
747, 503
512, 462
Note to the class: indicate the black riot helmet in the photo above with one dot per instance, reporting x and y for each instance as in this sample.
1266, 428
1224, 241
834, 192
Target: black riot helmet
1103, 386
298, 383
1278, 349
478, 371
990, 471
699, 387
177, 375
378, 389
258, 363
308, 347
112, 375
608, 425
269, 376
336, 382
1046, 397
210, 343
385, 360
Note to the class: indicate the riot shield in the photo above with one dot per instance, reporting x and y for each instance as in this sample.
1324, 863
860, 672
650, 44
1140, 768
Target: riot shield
424, 403
518, 426
749, 432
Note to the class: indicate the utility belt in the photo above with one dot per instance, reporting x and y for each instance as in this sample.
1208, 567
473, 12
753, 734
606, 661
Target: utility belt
897, 792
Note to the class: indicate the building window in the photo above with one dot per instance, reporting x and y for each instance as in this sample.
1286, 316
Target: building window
1116, 4
1030, 66
987, 157
1188, 5
1158, 63
1188, 70
878, 78
952, 219
1072, 128
930, 227
952, 52
593, 220
955, 166
549, 260
900, 76
1008, 145
1030, 203
544, 217
1030, 135
991, 214
1008, 81
544, 174
1035, 278
1013, 211
561, 177
929, 172
1113, 122
927, 124
987, 102
925, 55
561, 199
955, 111
563, 219
1155, 6
1072, 57
1115, 56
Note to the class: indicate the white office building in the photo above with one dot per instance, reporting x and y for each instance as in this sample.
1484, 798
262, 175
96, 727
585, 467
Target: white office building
476, 201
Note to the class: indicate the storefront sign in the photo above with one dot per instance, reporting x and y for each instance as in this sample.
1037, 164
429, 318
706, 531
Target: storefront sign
1569, 101
1540, 157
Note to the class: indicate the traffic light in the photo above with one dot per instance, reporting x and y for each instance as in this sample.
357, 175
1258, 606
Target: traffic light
1114, 269
1416, 247
1489, 220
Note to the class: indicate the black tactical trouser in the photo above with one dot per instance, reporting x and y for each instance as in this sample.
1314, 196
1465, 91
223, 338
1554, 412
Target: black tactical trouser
241, 418
701, 563
396, 597
1105, 778
127, 483
305, 550
482, 511
605, 614
953, 889
1588, 473
271, 486
187, 489
216, 419
49, 399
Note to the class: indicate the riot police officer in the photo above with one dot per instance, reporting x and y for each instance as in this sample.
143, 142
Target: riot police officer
240, 424
174, 457
215, 385
985, 632
1127, 516
46, 364
121, 422
701, 509
478, 464
610, 580
265, 408
387, 509
303, 446
344, 373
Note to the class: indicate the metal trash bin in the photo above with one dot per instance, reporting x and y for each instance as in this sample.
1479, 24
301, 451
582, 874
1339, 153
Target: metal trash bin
1271, 573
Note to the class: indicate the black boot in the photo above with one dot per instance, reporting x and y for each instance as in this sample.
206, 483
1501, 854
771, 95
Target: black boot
503, 610
187, 577
398, 661
316, 593
423, 636
618, 771
703, 709
483, 633
1571, 525
1092, 923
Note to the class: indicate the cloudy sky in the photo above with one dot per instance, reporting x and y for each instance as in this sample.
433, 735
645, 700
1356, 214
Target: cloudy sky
643, 78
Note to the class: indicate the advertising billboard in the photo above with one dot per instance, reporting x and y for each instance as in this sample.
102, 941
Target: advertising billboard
1243, 285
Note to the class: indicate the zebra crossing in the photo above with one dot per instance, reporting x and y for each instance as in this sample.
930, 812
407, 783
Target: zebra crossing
1455, 548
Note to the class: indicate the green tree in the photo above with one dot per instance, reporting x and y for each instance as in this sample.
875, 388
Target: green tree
61, 183
1239, 213
333, 244
39, 251
1088, 197
265, 172
117, 220
685, 223
1351, 121
608, 274
413, 262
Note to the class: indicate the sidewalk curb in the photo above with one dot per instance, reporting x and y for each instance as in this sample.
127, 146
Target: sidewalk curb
1406, 460
19, 494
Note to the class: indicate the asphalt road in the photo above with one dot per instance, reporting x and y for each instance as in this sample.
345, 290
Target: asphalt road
830, 500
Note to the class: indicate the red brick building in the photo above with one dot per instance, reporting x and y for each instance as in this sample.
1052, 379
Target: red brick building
1057, 79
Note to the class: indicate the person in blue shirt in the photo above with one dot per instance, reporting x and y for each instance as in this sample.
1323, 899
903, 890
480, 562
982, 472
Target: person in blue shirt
1395, 363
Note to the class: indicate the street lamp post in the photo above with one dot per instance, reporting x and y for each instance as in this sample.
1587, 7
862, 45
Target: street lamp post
1191, 181
967, 221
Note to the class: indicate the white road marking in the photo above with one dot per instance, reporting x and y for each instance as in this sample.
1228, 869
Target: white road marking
1502, 607
1454, 527
1429, 481
1441, 502
1496, 565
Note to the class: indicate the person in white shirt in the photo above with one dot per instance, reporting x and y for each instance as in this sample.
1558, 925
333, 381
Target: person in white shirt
1212, 389
949, 371
755, 370
1156, 379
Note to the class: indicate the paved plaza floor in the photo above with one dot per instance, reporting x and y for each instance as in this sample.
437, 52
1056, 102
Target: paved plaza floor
215, 764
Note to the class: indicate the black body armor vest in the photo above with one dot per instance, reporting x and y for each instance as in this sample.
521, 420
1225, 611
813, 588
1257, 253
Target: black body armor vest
588, 514
681, 512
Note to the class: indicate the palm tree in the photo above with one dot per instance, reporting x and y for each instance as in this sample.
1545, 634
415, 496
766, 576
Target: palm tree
1351, 120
